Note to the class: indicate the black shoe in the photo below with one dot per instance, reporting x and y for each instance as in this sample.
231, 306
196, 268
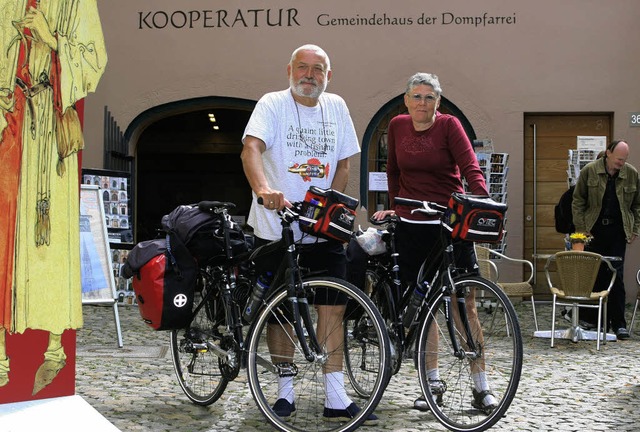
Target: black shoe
622, 333
347, 414
283, 408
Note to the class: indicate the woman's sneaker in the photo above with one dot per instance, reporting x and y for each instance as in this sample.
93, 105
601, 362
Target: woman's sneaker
437, 390
484, 401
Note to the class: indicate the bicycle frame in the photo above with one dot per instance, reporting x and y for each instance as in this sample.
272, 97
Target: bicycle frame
295, 290
443, 284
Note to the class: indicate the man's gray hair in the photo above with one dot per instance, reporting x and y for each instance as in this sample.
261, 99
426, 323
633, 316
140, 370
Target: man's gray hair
422, 78
314, 48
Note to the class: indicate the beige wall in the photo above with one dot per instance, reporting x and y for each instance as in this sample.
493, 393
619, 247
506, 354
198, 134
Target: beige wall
558, 56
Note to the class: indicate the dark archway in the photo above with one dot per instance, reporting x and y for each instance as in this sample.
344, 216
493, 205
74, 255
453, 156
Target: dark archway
181, 159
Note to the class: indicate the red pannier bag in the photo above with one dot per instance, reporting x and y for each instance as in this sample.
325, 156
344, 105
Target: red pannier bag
476, 218
164, 280
328, 213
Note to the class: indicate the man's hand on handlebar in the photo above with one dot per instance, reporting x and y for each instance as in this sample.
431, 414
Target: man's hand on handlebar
273, 200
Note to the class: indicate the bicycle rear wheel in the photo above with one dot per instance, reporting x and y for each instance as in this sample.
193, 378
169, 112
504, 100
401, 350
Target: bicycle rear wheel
269, 361
197, 367
498, 354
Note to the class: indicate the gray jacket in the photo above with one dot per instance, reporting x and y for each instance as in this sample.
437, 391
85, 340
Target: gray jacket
589, 191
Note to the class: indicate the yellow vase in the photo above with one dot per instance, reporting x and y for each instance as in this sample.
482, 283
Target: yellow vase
577, 246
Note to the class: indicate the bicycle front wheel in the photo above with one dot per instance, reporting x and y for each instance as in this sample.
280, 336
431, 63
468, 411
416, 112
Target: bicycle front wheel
278, 367
197, 367
490, 364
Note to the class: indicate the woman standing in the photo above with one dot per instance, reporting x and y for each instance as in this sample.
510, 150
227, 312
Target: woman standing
429, 154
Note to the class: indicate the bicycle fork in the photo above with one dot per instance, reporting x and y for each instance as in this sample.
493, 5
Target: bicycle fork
461, 321
299, 303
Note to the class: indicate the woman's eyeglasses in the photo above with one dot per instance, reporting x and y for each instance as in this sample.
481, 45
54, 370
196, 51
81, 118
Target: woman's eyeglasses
426, 99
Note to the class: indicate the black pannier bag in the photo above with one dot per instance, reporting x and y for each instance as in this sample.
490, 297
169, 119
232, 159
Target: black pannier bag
164, 279
475, 218
203, 235
165, 270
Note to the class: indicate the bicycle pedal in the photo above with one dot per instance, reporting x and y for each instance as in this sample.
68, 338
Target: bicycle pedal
200, 348
286, 369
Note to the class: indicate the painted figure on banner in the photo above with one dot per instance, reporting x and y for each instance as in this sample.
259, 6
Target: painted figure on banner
52, 56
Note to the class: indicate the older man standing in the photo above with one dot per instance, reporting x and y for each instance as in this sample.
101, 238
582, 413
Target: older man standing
606, 204
295, 138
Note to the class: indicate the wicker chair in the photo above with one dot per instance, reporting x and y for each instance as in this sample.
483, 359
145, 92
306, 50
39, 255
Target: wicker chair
576, 276
489, 269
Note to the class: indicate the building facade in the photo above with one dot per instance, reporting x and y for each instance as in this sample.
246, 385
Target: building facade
528, 76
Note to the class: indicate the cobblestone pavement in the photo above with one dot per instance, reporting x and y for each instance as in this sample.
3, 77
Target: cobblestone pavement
571, 387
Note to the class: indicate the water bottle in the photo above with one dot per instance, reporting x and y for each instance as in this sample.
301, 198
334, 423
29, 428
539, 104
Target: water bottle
414, 303
255, 299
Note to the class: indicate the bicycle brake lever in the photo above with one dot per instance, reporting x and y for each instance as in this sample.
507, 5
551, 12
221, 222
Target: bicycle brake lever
426, 210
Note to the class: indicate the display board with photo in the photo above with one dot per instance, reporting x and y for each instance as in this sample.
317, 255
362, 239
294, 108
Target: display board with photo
115, 188
124, 286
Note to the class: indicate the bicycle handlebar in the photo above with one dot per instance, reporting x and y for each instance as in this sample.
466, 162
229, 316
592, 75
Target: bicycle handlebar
427, 207
288, 214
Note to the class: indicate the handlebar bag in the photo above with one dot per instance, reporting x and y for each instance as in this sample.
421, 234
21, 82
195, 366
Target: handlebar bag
475, 218
328, 214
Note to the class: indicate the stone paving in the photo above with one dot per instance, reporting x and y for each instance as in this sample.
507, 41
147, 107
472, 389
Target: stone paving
571, 387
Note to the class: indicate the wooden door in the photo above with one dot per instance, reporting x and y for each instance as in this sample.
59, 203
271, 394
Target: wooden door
547, 140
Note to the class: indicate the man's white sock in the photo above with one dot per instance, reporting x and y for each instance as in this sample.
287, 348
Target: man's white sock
285, 389
335, 393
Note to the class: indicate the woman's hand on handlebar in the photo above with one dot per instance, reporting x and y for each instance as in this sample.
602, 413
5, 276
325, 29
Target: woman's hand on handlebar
381, 214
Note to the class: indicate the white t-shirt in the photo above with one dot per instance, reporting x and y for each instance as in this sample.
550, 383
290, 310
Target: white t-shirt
303, 147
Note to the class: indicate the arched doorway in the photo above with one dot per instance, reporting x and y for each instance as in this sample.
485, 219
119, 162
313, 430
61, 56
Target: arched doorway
186, 152
374, 146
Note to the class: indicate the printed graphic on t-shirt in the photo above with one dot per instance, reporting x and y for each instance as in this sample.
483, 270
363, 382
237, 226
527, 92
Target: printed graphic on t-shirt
416, 145
308, 145
312, 169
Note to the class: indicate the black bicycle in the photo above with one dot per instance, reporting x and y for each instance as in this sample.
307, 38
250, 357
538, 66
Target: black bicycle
455, 330
211, 350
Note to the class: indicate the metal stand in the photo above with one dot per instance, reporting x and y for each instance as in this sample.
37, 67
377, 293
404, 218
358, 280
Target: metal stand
574, 334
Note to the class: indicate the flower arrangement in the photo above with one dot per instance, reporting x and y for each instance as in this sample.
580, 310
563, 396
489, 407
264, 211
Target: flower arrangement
578, 237
578, 240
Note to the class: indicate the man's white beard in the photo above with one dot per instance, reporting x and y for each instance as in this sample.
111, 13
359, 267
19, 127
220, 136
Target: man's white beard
298, 89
